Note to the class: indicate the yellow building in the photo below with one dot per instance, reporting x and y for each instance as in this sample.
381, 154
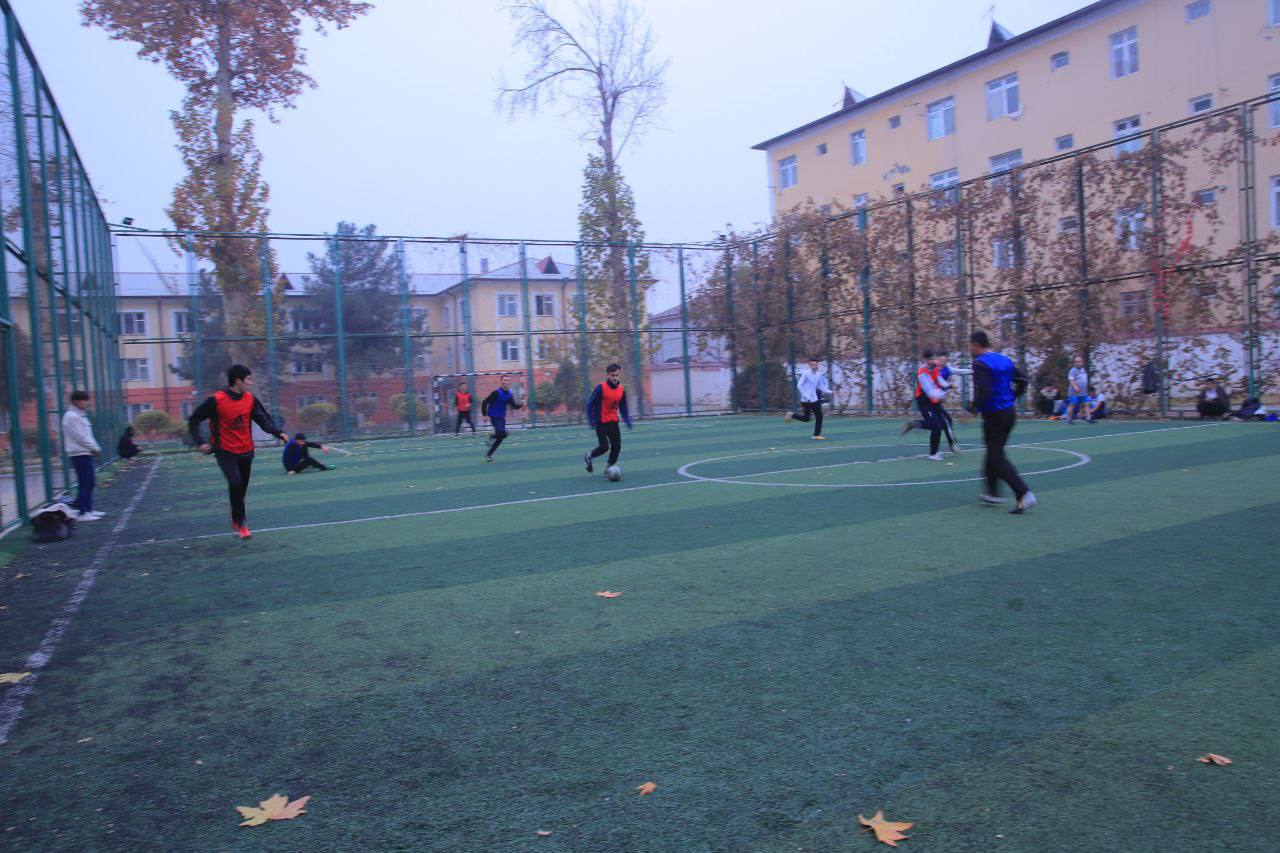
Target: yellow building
1112, 68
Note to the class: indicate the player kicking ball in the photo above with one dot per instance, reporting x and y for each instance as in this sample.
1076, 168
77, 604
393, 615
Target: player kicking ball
608, 401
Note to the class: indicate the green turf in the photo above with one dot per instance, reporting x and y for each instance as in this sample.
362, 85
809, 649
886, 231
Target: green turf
785, 655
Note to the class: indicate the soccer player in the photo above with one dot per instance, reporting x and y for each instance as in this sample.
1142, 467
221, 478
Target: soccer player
607, 402
997, 384
811, 385
494, 408
1077, 389
929, 393
462, 402
81, 448
297, 455
230, 413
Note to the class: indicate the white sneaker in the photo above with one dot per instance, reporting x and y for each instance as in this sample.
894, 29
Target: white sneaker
935, 457
87, 516
991, 499
1027, 502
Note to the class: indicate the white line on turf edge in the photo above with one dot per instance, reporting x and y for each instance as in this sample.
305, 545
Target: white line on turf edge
686, 479
11, 707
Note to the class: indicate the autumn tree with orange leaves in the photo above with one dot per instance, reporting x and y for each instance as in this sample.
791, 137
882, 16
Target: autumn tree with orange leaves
231, 55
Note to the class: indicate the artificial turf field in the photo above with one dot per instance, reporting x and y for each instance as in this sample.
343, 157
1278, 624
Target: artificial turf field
414, 641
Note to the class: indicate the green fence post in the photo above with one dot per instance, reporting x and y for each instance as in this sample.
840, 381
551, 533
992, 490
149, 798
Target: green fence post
344, 401
531, 399
758, 294
733, 334
197, 322
268, 307
962, 325
50, 287
1157, 258
1249, 242
1019, 273
410, 391
14, 401
29, 255
684, 337
584, 345
791, 339
824, 273
635, 327
468, 351
864, 282
63, 233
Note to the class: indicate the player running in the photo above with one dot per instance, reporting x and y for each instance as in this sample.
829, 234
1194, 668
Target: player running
997, 384
608, 401
494, 408
930, 391
812, 386
462, 402
231, 413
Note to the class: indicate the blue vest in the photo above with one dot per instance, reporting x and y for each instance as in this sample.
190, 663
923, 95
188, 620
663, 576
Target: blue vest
498, 408
1002, 394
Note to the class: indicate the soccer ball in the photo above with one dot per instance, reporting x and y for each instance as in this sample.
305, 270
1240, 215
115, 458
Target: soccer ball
614, 473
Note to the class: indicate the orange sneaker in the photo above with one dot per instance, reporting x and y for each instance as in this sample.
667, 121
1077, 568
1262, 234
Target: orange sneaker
243, 531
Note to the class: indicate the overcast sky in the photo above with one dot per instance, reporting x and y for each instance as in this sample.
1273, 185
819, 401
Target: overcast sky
402, 131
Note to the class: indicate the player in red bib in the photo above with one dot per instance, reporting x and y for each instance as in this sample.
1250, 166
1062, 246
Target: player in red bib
462, 402
231, 413
607, 403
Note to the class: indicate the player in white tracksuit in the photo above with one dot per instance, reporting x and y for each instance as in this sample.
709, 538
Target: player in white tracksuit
812, 385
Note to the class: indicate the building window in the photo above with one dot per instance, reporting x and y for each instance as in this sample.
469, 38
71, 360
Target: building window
1005, 252
858, 147
1204, 198
132, 410
1064, 143
543, 349
305, 400
135, 369
1129, 227
943, 185
182, 324
1197, 10
1202, 104
788, 172
304, 322
1005, 162
946, 260
418, 318
1275, 201
1068, 225
1273, 13
187, 407
860, 201
942, 118
1008, 325
1275, 297
1133, 304
307, 362
133, 322
181, 365
1002, 98
1273, 87
1059, 60
508, 305
895, 122
822, 148
509, 349
1128, 130
448, 317
420, 361
544, 305
1124, 53
899, 190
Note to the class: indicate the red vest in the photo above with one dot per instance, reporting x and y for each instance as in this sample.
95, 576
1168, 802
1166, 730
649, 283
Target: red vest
235, 431
610, 398
932, 371
464, 402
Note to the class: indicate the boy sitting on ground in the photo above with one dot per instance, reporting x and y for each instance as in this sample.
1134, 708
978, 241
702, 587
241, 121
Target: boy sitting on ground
297, 456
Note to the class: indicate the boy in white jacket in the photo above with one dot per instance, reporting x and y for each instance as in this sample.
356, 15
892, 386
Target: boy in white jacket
812, 385
81, 447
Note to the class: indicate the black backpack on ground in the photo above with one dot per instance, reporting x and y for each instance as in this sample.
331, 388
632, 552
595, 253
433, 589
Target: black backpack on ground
52, 524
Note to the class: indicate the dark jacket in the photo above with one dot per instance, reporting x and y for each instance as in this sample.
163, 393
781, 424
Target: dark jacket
294, 453
125, 448
1223, 399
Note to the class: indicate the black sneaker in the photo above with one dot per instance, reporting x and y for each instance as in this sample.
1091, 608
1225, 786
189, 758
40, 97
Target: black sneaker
587, 460
906, 428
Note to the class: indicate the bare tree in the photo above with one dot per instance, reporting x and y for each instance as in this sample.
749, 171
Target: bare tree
605, 70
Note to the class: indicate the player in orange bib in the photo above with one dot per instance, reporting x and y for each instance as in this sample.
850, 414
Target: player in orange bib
462, 402
607, 403
231, 413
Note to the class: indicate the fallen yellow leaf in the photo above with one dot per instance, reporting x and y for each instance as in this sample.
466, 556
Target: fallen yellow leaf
12, 677
890, 832
1211, 758
543, 833
274, 808
647, 788
607, 594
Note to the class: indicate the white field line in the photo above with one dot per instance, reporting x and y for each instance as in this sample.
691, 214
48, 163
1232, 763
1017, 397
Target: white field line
11, 707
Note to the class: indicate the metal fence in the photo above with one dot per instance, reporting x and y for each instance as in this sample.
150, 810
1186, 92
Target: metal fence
1154, 254
57, 306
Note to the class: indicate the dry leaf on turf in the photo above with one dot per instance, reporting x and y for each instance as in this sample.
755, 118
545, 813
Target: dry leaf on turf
543, 833
647, 788
275, 808
12, 677
607, 594
1211, 758
890, 832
